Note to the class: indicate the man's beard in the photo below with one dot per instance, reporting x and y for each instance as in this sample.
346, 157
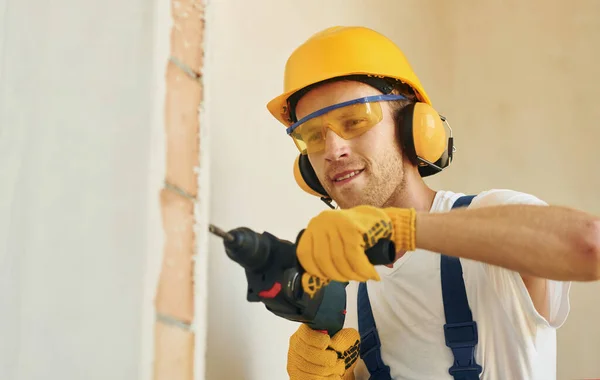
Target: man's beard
381, 188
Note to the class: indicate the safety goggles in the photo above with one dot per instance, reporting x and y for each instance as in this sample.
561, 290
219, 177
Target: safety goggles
348, 120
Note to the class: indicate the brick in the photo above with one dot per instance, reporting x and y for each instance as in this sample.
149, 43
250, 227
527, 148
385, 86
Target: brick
174, 346
183, 96
174, 349
187, 33
175, 294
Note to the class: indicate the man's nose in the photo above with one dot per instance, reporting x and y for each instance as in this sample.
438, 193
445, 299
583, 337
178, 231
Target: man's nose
335, 146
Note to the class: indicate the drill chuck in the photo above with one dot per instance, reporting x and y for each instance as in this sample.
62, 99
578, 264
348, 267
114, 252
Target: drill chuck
245, 247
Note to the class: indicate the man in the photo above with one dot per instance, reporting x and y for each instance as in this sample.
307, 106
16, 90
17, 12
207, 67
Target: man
481, 288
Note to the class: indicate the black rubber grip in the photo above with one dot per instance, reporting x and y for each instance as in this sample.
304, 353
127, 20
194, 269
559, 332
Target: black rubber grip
382, 253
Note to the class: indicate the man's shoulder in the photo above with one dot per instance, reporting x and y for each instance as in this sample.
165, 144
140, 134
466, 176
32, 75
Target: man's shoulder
493, 197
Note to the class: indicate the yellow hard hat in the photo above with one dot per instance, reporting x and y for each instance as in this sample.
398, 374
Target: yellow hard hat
340, 51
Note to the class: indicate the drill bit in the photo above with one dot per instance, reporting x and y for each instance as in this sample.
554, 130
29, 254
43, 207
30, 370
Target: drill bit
220, 233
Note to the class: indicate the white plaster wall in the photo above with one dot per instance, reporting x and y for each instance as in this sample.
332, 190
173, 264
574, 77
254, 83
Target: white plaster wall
527, 70
77, 139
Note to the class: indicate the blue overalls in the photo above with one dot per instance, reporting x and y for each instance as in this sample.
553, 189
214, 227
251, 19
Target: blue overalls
460, 330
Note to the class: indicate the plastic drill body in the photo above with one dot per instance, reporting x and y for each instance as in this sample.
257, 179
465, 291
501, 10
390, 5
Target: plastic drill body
274, 278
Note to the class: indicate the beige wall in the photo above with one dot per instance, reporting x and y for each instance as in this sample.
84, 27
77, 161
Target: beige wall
518, 83
524, 87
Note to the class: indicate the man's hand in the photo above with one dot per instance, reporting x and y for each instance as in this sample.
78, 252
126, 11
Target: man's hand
334, 243
316, 355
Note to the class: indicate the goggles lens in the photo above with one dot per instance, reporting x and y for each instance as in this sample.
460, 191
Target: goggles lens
348, 120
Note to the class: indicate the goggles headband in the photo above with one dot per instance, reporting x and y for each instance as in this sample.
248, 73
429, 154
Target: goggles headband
367, 99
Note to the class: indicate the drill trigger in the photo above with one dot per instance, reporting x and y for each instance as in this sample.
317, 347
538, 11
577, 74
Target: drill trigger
271, 293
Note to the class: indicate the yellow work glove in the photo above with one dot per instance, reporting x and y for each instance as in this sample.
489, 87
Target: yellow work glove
314, 355
334, 243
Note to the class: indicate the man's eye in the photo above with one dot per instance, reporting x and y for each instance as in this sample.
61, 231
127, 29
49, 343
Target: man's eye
354, 123
315, 136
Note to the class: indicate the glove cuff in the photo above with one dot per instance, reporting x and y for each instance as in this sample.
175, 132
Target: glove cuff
404, 227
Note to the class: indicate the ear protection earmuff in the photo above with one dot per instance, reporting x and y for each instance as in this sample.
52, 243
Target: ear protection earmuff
424, 138
424, 141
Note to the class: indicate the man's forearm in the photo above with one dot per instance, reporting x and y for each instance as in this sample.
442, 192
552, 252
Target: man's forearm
545, 241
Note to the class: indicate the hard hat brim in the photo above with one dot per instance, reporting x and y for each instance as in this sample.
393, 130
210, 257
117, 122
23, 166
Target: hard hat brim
278, 105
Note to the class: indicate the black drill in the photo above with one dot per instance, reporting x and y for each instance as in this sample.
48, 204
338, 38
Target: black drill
275, 278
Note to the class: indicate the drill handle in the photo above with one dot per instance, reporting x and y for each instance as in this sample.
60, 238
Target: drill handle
382, 253
331, 312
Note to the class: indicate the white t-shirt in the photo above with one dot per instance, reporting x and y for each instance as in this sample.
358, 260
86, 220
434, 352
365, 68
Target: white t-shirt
515, 341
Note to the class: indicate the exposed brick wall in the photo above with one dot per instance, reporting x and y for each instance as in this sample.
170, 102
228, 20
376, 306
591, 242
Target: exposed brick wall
174, 303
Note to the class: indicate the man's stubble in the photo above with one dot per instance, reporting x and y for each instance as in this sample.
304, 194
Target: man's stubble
384, 183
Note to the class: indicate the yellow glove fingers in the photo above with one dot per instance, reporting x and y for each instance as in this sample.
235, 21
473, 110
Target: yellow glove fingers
298, 375
304, 251
323, 358
312, 347
308, 359
324, 256
311, 337
357, 258
347, 342
340, 260
300, 364
345, 339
